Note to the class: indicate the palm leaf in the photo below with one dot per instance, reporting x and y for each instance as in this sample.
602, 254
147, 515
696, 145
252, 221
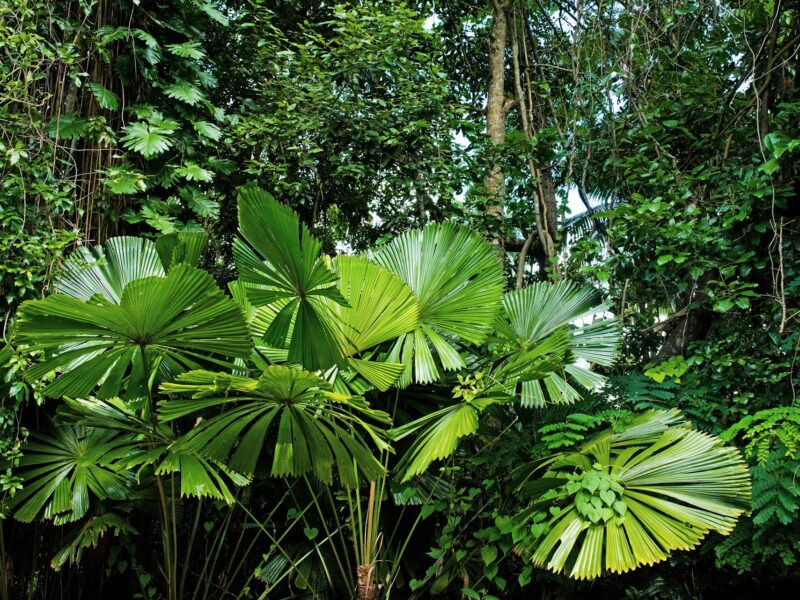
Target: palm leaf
258, 321
379, 308
279, 259
63, 471
633, 497
316, 429
538, 310
185, 247
185, 92
88, 535
438, 433
107, 269
170, 323
198, 476
458, 283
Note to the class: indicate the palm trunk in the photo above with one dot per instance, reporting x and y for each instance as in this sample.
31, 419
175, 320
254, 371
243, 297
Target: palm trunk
367, 590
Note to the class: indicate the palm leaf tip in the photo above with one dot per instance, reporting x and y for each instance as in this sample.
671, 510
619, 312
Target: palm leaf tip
633, 499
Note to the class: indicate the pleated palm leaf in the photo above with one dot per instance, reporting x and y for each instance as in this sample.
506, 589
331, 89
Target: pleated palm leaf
181, 248
89, 535
258, 320
630, 498
536, 311
150, 445
169, 324
458, 283
62, 472
108, 268
279, 260
379, 308
317, 429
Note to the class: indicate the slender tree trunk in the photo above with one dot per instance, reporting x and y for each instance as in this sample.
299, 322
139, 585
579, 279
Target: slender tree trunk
544, 201
496, 108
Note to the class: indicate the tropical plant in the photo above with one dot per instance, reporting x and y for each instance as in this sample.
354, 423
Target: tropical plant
169, 387
316, 427
627, 498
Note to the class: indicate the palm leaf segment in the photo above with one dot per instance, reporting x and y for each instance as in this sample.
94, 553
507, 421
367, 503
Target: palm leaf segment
279, 260
537, 311
176, 322
107, 269
630, 498
458, 283
317, 428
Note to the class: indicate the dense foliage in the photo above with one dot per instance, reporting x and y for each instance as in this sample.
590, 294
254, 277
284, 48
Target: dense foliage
333, 387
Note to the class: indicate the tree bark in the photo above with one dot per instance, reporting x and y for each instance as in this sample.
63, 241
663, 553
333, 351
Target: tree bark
496, 120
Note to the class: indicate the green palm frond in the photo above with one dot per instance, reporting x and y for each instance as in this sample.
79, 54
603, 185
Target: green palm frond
380, 307
107, 269
88, 535
279, 259
258, 321
438, 435
199, 476
317, 429
170, 323
458, 283
629, 498
63, 471
185, 247
538, 310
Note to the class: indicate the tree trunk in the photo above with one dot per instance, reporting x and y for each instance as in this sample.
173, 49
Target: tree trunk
544, 201
496, 121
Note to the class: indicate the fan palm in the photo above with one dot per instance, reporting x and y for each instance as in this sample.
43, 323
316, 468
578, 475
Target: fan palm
316, 427
167, 323
538, 345
458, 283
106, 269
534, 312
624, 499
63, 471
279, 259
380, 307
